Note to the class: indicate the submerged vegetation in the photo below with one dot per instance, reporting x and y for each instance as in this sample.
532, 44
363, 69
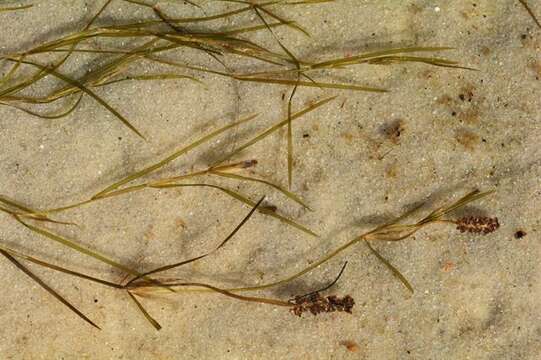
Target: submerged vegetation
167, 35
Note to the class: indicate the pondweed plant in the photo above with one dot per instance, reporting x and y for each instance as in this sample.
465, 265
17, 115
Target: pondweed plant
157, 41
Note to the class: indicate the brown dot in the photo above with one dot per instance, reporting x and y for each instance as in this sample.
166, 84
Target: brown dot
350, 345
467, 138
393, 130
520, 234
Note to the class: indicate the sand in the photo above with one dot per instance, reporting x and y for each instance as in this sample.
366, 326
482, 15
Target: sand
359, 161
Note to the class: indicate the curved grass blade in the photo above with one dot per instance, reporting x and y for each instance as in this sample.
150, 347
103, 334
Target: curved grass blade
141, 286
73, 40
48, 288
289, 23
42, 72
223, 15
386, 60
290, 134
261, 7
181, 30
530, 11
59, 268
28, 212
23, 84
145, 313
166, 183
59, 115
14, 204
5, 79
95, 17
398, 219
309, 268
153, 77
357, 59
94, 254
56, 210
320, 85
395, 232
15, 8
466, 199
35, 217
390, 266
148, 23
71, 244
101, 74
327, 287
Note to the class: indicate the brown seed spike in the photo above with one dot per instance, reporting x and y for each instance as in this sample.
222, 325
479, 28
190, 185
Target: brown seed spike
477, 224
342, 304
316, 304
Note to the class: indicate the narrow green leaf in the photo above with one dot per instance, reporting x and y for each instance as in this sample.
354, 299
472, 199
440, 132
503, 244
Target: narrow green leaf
390, 266
468, 198
71, 244
15, 8
59, 115
530, 11
59, 268
48, 288
145, 313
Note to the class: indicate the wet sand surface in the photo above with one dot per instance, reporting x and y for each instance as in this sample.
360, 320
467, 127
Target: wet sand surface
360, 161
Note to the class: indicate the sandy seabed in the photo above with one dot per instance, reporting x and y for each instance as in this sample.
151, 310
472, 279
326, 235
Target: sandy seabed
359, 161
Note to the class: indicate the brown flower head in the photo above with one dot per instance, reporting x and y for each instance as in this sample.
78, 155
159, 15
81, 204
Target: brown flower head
315, 304
477, 224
